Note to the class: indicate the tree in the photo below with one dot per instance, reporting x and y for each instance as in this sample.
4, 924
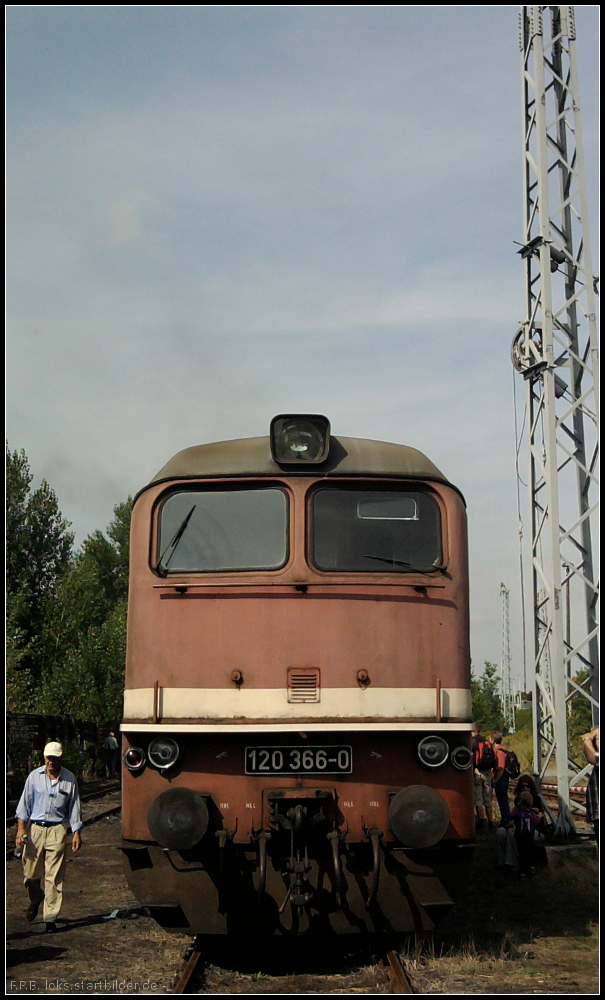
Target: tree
38, 553
19, 681
66, 614
85, 627
38, 543
487, 707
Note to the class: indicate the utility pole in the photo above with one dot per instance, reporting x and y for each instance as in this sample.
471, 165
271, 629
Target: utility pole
508, 703
555, 351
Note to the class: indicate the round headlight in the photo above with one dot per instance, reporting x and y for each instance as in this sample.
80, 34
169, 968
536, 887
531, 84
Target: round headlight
163, 752
462, 758
433, 751
134, 759
301, 442
299, 438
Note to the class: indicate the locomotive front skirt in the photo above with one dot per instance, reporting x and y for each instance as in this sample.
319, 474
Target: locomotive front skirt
296, 735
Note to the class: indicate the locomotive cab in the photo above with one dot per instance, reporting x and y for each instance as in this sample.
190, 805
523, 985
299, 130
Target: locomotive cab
296, 735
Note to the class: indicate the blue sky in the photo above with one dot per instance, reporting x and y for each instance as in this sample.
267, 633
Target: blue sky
219, 213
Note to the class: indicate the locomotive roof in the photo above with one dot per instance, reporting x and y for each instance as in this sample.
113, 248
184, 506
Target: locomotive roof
252, 457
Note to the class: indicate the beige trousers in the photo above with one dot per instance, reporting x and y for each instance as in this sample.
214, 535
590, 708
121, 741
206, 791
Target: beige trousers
44, 854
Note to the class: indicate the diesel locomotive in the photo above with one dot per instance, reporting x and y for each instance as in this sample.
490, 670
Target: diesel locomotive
296, 737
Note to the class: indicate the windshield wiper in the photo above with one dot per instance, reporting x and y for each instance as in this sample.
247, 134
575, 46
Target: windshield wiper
392, 562
160, 568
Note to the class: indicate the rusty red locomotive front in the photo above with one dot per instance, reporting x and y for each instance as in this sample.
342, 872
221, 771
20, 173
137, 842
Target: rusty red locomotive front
297, 705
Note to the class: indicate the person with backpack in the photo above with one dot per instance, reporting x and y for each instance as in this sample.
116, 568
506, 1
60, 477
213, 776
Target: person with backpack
485, 761
501, 775
526, 819
506, 842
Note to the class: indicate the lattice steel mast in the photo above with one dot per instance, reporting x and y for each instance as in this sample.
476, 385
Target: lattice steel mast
508, 704
556, 352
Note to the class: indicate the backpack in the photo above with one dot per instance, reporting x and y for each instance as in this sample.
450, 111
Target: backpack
512, 768
485, 758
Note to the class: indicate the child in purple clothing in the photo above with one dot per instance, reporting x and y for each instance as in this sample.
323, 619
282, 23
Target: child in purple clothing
526, 819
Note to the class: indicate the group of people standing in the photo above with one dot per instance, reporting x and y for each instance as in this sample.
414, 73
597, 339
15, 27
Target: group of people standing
522, 826
495, 766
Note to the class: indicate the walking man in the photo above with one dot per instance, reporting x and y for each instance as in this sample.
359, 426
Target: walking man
49, 804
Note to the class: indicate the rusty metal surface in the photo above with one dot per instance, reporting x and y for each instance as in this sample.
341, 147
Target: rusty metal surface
424, 884
252, 457
382, 764
198, 896
221, 646
409, 631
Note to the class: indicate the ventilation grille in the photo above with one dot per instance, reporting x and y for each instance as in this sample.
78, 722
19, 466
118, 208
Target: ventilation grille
303, 685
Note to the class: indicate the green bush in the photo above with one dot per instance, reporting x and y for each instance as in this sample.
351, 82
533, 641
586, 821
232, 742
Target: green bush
487, 707
77, 758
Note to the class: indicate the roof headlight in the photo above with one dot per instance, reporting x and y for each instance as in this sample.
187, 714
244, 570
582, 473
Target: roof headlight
163, 752
299, 438
433, 751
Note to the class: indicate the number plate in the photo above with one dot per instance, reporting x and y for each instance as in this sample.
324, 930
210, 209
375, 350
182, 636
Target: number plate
299, 760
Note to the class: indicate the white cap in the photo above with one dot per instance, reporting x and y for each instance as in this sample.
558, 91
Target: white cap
53, 750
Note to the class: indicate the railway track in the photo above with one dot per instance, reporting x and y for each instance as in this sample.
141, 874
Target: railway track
577, 798
399, 977
193, 963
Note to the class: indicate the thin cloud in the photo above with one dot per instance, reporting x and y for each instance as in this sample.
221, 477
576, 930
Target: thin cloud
219, 213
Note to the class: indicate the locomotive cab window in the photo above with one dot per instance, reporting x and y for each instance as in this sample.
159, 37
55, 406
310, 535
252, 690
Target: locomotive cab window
223, 530
375, 530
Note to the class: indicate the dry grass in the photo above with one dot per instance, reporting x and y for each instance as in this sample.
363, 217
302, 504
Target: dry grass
522, 744
507, 936
512, 935
546, 965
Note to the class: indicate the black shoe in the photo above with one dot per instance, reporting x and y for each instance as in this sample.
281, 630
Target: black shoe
51, 927
32, 912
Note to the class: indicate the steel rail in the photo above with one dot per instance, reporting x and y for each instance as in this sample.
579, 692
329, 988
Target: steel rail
401, 982
102, 815
190, 966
